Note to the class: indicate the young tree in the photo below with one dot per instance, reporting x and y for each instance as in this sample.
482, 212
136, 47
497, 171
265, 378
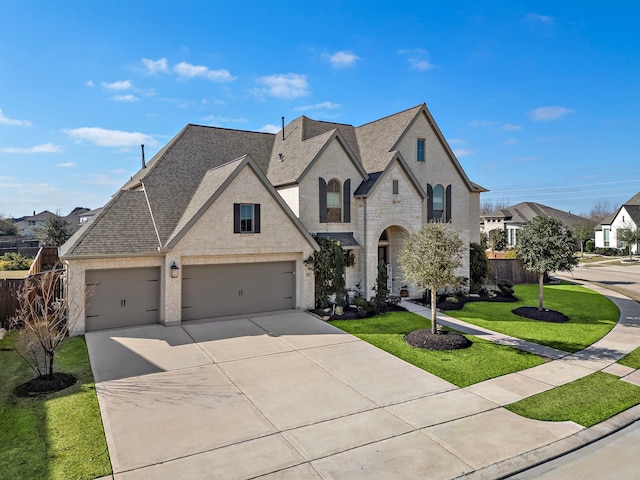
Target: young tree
628, 234
544, 246
56, 230
328, 267
429, 260
498, 239
382, 291
582, 232
42, 321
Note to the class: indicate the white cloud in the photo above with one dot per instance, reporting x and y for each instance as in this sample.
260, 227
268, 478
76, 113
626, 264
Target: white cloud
186, 70
118, 86
269, 128
66, 165
549, 113
463, 152
457, 141
43, 148
418, 59
125, 98
510, 141
511, 127
4, 120
341, 59
289, 86
156, 66
89, 83
319, 106
219, 120
103, 137
536, 17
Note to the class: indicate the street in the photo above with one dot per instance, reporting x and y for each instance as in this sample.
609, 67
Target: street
623, 279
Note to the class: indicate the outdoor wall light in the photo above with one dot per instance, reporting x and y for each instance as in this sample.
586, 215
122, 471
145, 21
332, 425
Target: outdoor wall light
174, 270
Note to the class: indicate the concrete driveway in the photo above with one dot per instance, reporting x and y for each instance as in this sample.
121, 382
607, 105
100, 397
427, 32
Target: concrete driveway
285, 395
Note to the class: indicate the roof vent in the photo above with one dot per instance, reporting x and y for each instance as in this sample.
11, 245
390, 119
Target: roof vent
283, 129
281, 157
144, 165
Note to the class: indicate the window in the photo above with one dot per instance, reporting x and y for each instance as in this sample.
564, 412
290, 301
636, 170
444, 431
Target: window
396, 188
420, 150
605, 232
334, 201
438, 202
246, 218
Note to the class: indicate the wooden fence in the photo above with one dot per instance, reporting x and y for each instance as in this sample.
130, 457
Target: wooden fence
9, 289
46, 259
510, 269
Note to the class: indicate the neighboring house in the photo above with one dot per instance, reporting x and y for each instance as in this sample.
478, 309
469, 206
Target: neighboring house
512, 218
626, 216
29, 226
220, 222
75, 218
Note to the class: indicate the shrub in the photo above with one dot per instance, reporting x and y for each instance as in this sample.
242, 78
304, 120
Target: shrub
506, 287
365, 307
589, 246
14, 261
479, 267
607, 251
512, 253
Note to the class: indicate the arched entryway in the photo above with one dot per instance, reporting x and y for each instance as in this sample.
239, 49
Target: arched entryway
389, 245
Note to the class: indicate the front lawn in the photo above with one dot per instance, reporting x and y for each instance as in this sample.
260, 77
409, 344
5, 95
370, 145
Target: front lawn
631, 359
586, 401
53, 436
483, 360
591, 316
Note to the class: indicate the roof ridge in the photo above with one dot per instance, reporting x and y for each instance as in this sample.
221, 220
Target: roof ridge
391, 115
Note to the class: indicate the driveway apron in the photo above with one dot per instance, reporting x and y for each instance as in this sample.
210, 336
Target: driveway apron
285, 395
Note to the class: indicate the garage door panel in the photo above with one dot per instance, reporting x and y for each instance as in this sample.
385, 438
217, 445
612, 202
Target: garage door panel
235, 289
122, 297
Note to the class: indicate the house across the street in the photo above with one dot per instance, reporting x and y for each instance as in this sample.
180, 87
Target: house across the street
221, 221
627, 216
511, 219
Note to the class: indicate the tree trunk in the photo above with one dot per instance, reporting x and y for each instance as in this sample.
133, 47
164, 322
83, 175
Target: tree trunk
434, 322
540, 291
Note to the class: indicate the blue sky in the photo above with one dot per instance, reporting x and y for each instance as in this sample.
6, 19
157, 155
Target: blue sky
539, 100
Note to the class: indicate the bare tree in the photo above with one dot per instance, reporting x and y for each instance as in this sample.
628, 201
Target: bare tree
488, 206
601, 210
42, 320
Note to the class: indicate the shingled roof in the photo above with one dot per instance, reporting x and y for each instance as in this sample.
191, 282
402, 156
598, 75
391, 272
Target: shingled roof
152, 209
525, 211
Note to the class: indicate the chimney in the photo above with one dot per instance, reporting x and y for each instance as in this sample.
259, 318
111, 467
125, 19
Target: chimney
283, 129
144, 165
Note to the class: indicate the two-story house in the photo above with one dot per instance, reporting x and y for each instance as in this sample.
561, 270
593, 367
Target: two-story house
220, 222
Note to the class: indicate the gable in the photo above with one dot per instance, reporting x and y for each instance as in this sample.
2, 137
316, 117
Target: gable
212, 233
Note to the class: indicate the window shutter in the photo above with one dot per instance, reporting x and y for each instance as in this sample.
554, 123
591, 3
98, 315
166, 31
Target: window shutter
346, 201
447, 204
256, 218
236, 218
322, 200
429, 202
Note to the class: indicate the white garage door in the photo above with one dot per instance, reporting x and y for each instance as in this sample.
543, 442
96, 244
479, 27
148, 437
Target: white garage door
233, 289
122, 297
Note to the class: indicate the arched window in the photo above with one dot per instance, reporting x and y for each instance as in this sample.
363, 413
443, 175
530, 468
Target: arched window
334, 201
438, 203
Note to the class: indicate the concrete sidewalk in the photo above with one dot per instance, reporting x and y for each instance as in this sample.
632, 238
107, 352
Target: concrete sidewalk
285, 395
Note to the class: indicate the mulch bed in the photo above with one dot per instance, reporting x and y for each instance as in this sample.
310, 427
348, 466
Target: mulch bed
545, 315
443, 305
45, 384
352, 314
443, 340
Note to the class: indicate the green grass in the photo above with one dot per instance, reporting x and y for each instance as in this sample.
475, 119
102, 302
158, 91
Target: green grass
587, 401
481, 361
590, 314
52, 436
631, 359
